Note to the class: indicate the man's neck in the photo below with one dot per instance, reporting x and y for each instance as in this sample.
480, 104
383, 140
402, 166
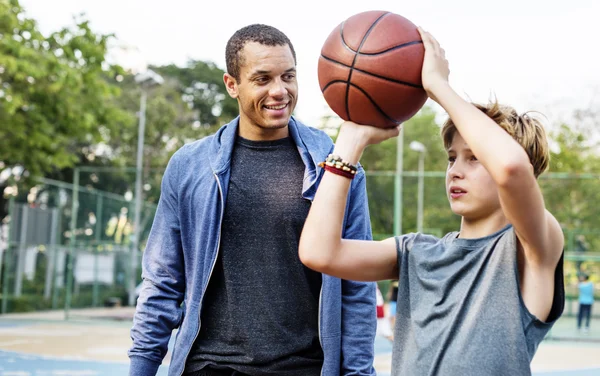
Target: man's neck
253, 132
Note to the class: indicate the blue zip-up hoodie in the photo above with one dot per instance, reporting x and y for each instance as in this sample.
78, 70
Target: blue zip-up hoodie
183, 245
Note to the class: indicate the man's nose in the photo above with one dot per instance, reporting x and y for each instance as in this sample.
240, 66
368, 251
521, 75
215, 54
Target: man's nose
277, 88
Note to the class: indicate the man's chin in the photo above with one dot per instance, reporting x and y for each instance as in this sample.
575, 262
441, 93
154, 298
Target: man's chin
278, 124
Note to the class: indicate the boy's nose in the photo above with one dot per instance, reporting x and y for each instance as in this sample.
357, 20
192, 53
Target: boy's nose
456, 172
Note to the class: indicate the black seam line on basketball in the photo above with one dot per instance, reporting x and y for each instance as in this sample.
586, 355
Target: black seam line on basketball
374, 74
343, 40
391, 48
375, 53
366, 95
362, 42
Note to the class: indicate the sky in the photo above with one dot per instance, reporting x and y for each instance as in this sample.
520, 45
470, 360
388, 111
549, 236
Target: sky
532, 54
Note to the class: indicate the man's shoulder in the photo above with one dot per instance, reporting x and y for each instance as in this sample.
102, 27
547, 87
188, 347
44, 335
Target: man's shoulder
191, 151
313, 137
316, 132
191, 158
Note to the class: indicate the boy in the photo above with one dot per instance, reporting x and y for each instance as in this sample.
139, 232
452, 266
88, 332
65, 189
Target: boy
477, 301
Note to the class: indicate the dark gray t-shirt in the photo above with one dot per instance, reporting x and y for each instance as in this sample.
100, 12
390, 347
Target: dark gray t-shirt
460, 310
260, 312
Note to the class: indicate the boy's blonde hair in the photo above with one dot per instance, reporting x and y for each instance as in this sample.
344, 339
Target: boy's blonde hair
526, 130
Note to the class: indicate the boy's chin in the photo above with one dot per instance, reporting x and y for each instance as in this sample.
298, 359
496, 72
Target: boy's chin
460, 210
456, 209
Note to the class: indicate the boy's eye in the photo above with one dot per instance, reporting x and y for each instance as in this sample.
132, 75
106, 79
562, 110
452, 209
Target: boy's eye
451, 159
473, 158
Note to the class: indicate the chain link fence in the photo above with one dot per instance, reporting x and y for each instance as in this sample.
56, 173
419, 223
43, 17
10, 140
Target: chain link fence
50, 259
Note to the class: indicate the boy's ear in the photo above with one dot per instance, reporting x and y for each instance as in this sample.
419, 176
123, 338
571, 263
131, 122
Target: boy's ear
231, 85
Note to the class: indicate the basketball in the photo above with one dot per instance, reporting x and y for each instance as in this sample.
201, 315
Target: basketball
370, 69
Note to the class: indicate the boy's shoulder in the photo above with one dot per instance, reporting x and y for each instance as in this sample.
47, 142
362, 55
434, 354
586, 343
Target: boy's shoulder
502, 237
431, 244
410, 241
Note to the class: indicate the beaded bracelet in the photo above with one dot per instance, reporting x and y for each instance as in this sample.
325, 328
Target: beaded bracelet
339, 172
337, 162
337, 165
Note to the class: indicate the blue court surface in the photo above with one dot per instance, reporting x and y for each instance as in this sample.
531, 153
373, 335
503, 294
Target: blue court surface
17, 364
30, 360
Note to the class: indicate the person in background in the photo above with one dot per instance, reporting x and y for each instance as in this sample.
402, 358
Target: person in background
586, 301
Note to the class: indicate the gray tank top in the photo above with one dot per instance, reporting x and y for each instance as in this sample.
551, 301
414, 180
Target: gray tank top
460, 310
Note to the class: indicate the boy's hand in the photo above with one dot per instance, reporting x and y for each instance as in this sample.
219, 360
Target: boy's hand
435, 66
354, 138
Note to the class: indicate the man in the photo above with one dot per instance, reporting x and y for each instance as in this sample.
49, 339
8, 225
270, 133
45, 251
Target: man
225, 242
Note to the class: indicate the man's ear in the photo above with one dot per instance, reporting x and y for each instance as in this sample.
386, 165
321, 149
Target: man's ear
231, 85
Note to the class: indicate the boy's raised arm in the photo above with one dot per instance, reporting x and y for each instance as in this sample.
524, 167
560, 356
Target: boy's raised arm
504, 158
321, 245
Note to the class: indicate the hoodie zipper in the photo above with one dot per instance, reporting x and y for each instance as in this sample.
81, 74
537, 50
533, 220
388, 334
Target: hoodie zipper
211, 271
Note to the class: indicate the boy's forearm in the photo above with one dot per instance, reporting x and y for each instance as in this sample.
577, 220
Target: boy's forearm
349, 146
322, 232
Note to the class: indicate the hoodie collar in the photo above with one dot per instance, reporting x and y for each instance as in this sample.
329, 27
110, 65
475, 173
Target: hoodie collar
312, 149
221, 146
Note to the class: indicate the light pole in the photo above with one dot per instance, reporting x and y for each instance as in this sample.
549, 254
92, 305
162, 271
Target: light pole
398, 184
419, 147
146, 80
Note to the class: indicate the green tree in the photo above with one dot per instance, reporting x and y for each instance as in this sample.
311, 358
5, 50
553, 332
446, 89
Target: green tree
191, 104
55, 93
170, 123
202, 86
173, 117
570, 193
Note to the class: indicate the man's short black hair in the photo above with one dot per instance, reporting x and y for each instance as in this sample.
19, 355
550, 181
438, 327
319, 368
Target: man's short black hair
263, 34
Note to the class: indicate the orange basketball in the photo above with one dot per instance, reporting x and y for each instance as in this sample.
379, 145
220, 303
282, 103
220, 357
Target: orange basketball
370, 69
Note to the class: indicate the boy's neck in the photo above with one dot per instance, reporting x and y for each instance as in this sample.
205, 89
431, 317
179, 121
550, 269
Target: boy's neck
482, 227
